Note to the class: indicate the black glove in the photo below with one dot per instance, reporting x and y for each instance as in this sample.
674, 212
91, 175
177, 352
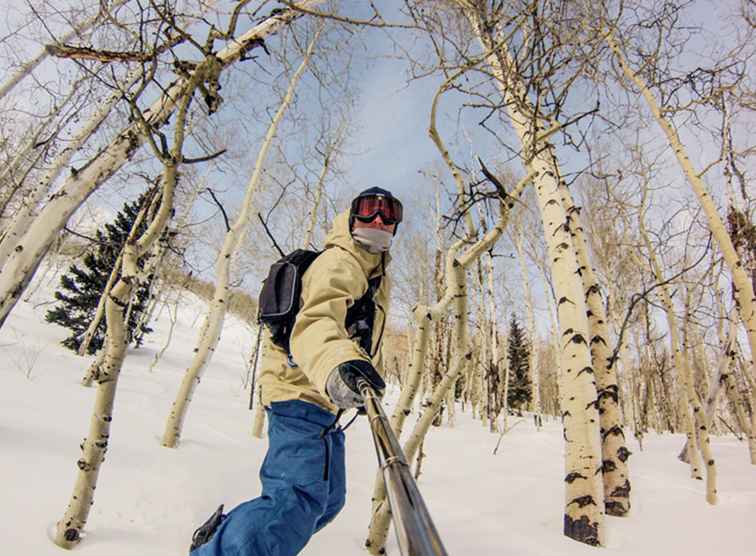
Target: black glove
341, 384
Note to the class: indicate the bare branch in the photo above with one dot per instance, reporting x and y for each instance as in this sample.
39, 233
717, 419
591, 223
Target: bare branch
377, 20
220, 206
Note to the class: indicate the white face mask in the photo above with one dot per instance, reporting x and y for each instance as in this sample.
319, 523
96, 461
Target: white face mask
374, 240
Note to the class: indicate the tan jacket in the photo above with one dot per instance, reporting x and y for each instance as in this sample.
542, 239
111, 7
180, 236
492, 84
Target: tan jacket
319, 341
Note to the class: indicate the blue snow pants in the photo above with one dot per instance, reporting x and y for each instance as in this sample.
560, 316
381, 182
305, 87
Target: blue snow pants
303, 487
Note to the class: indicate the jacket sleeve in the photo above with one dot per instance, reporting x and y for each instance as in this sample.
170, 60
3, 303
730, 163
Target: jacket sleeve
319, 342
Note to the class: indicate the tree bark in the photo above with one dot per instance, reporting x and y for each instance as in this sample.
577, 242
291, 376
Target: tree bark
12, 239
584, 495
613, 449
494, 373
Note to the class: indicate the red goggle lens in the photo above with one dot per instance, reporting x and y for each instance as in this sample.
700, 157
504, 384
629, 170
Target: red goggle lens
366, 209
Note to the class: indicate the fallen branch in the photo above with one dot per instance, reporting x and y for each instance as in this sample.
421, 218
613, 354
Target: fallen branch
505, 431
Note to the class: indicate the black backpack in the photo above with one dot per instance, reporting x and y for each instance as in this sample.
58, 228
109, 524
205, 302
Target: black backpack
280, 296
278, 303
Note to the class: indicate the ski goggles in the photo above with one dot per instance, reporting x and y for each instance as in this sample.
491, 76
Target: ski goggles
367, 208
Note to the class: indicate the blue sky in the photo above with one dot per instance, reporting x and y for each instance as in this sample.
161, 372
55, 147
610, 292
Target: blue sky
391, 146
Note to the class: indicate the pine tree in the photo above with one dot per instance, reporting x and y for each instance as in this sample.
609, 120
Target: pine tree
81, 288
520, 388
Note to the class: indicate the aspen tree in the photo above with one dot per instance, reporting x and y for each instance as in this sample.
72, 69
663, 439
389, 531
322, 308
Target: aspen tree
674, 342
18, 272
213, 325
742, 286
424, 318
481, 351
701, 426
94, 447
172, 307
494, 343
554, 343
456, 297
613, 450
732, 393
720, 379
23, 219
505, 386
584, 496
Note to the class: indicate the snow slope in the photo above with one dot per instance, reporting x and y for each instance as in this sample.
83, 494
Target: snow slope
150, 499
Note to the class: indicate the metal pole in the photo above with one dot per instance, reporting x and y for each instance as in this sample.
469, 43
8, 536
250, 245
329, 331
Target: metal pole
253, 370
415, 531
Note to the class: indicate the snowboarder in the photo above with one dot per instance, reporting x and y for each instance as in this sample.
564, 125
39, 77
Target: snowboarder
335, 340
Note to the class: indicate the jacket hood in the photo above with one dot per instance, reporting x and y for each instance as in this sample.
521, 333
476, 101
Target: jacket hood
340, 236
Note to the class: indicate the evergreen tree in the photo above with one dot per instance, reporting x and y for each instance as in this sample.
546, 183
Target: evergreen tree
81, 288
520, 388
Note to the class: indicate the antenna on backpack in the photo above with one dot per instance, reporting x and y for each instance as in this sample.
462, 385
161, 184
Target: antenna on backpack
267, 231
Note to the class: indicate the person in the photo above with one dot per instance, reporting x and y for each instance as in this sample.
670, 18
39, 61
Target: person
335, 340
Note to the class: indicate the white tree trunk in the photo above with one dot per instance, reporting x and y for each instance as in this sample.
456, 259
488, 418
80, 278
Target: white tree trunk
213, 325
481, 353
93, 370
584, 494
320, 187
68, 531
726, 366
505, 389
613, 450
752, 434
16, 274
701, 426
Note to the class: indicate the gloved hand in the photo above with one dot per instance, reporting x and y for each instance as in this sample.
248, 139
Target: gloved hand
341, 384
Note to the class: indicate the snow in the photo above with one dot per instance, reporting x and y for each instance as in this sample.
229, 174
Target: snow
150, 499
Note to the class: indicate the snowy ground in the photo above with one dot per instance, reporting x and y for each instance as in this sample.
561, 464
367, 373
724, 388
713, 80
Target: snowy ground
150, 499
